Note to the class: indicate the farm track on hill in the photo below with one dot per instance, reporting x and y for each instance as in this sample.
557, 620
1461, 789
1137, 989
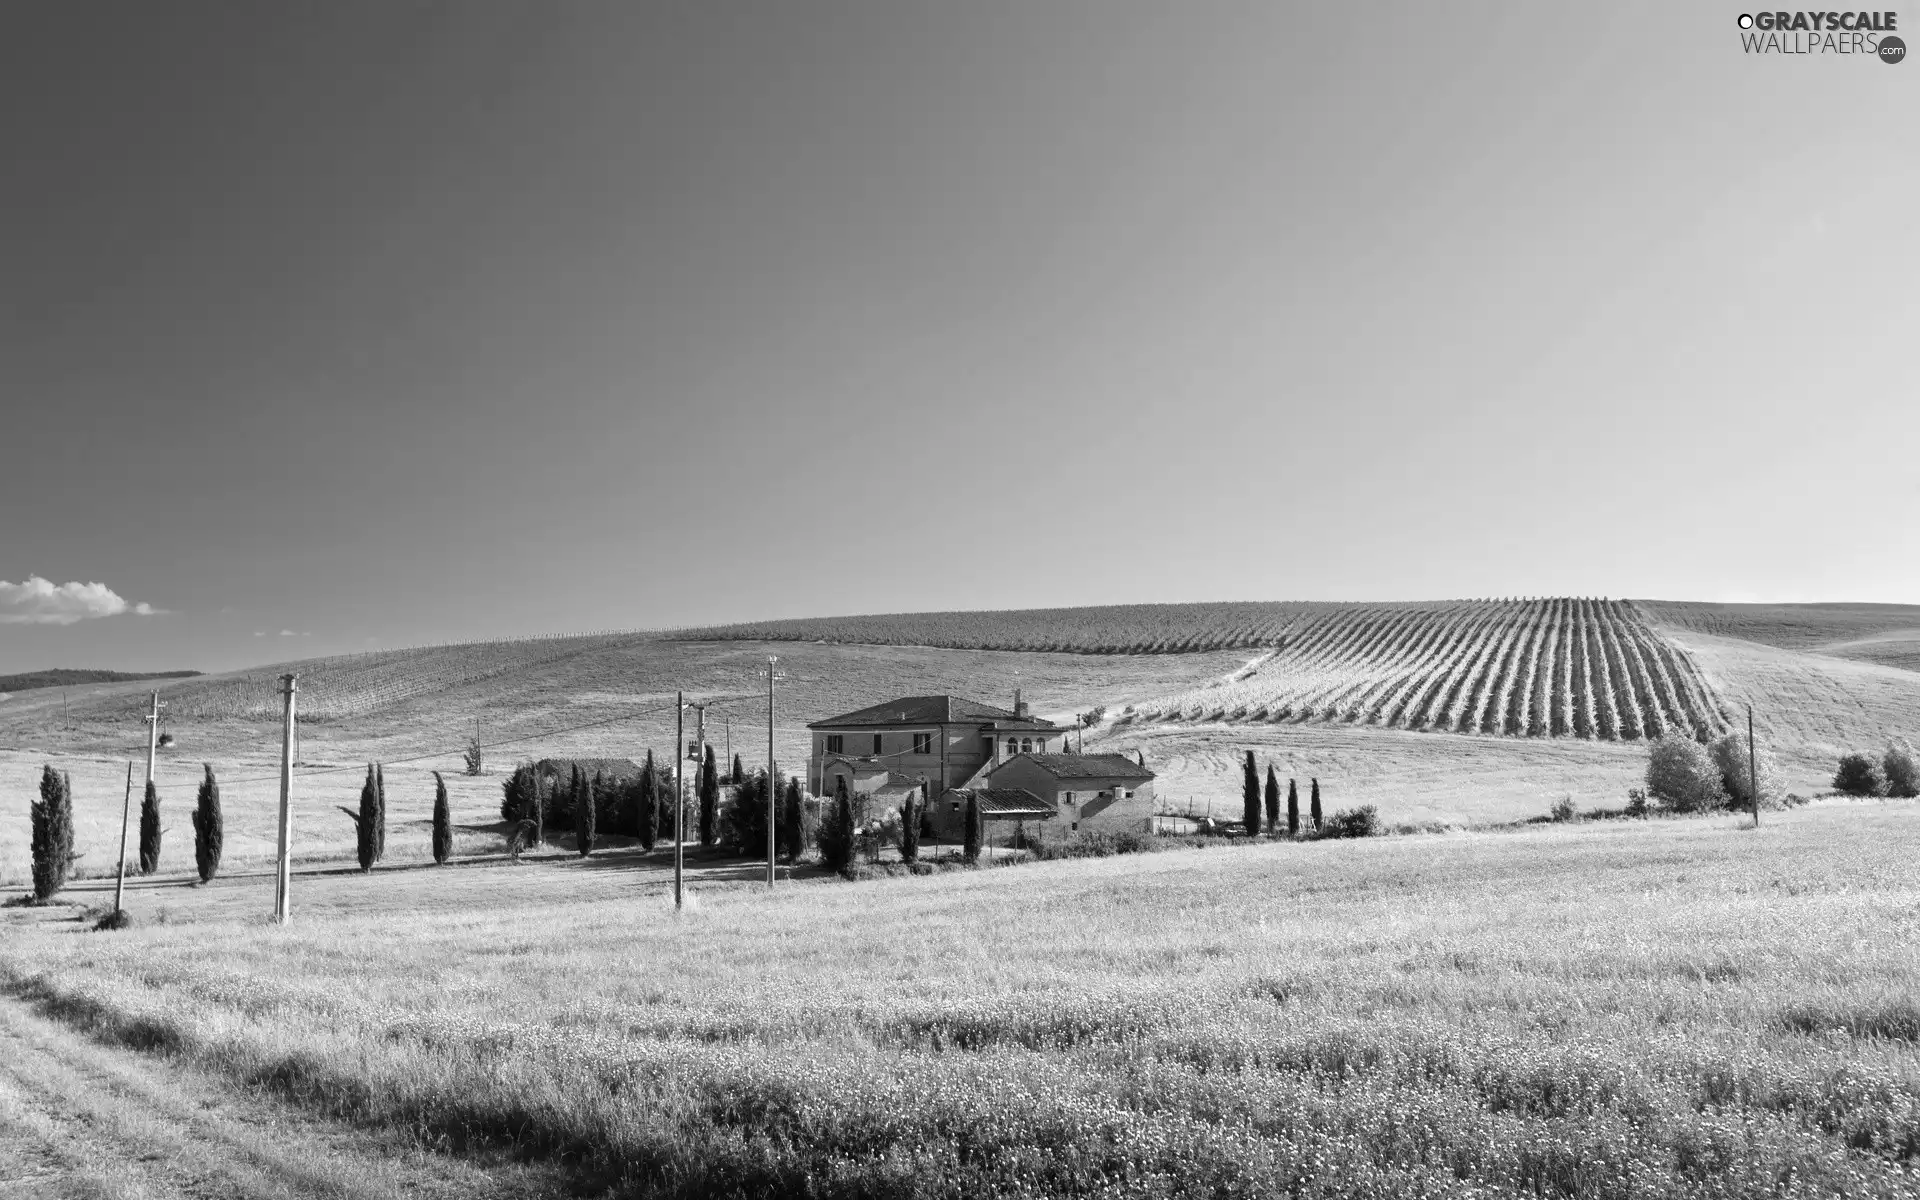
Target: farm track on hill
1559, 667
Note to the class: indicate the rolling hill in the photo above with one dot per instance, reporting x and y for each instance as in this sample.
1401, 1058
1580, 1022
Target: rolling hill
27, 681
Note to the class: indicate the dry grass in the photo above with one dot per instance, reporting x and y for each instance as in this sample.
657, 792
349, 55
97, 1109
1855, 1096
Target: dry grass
1614, 1010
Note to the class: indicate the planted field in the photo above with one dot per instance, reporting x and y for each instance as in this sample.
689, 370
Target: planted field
1561, 667
1617, 1010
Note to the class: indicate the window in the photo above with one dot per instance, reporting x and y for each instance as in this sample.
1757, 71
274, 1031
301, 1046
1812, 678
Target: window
1026, 745
876, 743
923, 743
1066, 797
1013, 746
836, 744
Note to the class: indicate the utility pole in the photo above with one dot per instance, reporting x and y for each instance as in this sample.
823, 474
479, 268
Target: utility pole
283, 876
679, 786
126, 812
729, 723
1753, 772
153, 733
773, 784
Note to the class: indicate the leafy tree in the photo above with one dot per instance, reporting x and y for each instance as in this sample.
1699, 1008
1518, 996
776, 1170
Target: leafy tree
910, 829
1352, 823
745, 820
709, 799
970, 848
836, 831
366, 820
649, 805
793, 833
209, 835
1314, 807
380, 813
1293, 807
1682, 775
150, 831
1250, 797
1859, 776
1901, 772
585, 820
1729, 754
739, 772
1273, 799
52, 841
442, 822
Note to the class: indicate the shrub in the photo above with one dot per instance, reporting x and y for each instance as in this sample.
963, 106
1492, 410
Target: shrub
150, 831
1729, 752
1901, 771
1859, 776
1096, 844
1352, 823
739, 772
1683, 776
52, 819
970, 848
1636, 802
442, 822
475, 761
836, 830
208, 833
1562, 809
745, 819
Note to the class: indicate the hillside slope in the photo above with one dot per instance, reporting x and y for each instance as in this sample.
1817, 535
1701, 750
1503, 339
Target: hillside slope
1882, 633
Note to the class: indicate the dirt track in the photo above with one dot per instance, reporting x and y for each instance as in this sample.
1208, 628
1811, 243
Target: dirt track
78, 1119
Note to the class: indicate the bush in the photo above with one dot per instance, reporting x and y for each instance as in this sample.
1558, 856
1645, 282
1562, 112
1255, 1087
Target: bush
1683, 776
1859, 776
52, 822
1729, 753
745, 820
1562, 809
909, 831
1351, 823
1100, 844
209, 835
1636, 802
1901, 771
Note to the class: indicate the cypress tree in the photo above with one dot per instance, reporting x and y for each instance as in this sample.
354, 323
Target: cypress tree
792, 832
1250, 797
365, 820
836, 832
380, 812
649, 807
709, 799
1293, 808
539, 808
910, 829
1316, 806
739, 772
208, 833
442, 822
1273, 799
52, 817
583, 814
970, 848
150, 830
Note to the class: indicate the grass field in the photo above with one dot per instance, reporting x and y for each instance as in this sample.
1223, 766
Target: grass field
1617, 1009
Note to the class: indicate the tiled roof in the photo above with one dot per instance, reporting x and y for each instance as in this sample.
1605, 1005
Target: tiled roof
932, 710
1006, 803
1085, 766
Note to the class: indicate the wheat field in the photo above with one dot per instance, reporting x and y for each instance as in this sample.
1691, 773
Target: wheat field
1611, 1010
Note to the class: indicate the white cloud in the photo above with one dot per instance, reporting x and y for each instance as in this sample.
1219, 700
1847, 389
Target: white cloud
38, 601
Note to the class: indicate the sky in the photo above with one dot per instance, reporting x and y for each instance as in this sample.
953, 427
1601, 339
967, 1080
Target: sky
325, 327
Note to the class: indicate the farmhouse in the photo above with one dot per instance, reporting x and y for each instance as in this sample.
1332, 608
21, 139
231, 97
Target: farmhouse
1099, 791
940, 741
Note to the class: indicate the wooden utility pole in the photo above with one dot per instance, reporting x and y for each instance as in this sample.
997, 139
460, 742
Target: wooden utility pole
283, 875
773, 785
1753, 772
153, 733
679, 786
126, 813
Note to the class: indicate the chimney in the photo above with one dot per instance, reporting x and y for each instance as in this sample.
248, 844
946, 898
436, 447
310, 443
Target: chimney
1019, 705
